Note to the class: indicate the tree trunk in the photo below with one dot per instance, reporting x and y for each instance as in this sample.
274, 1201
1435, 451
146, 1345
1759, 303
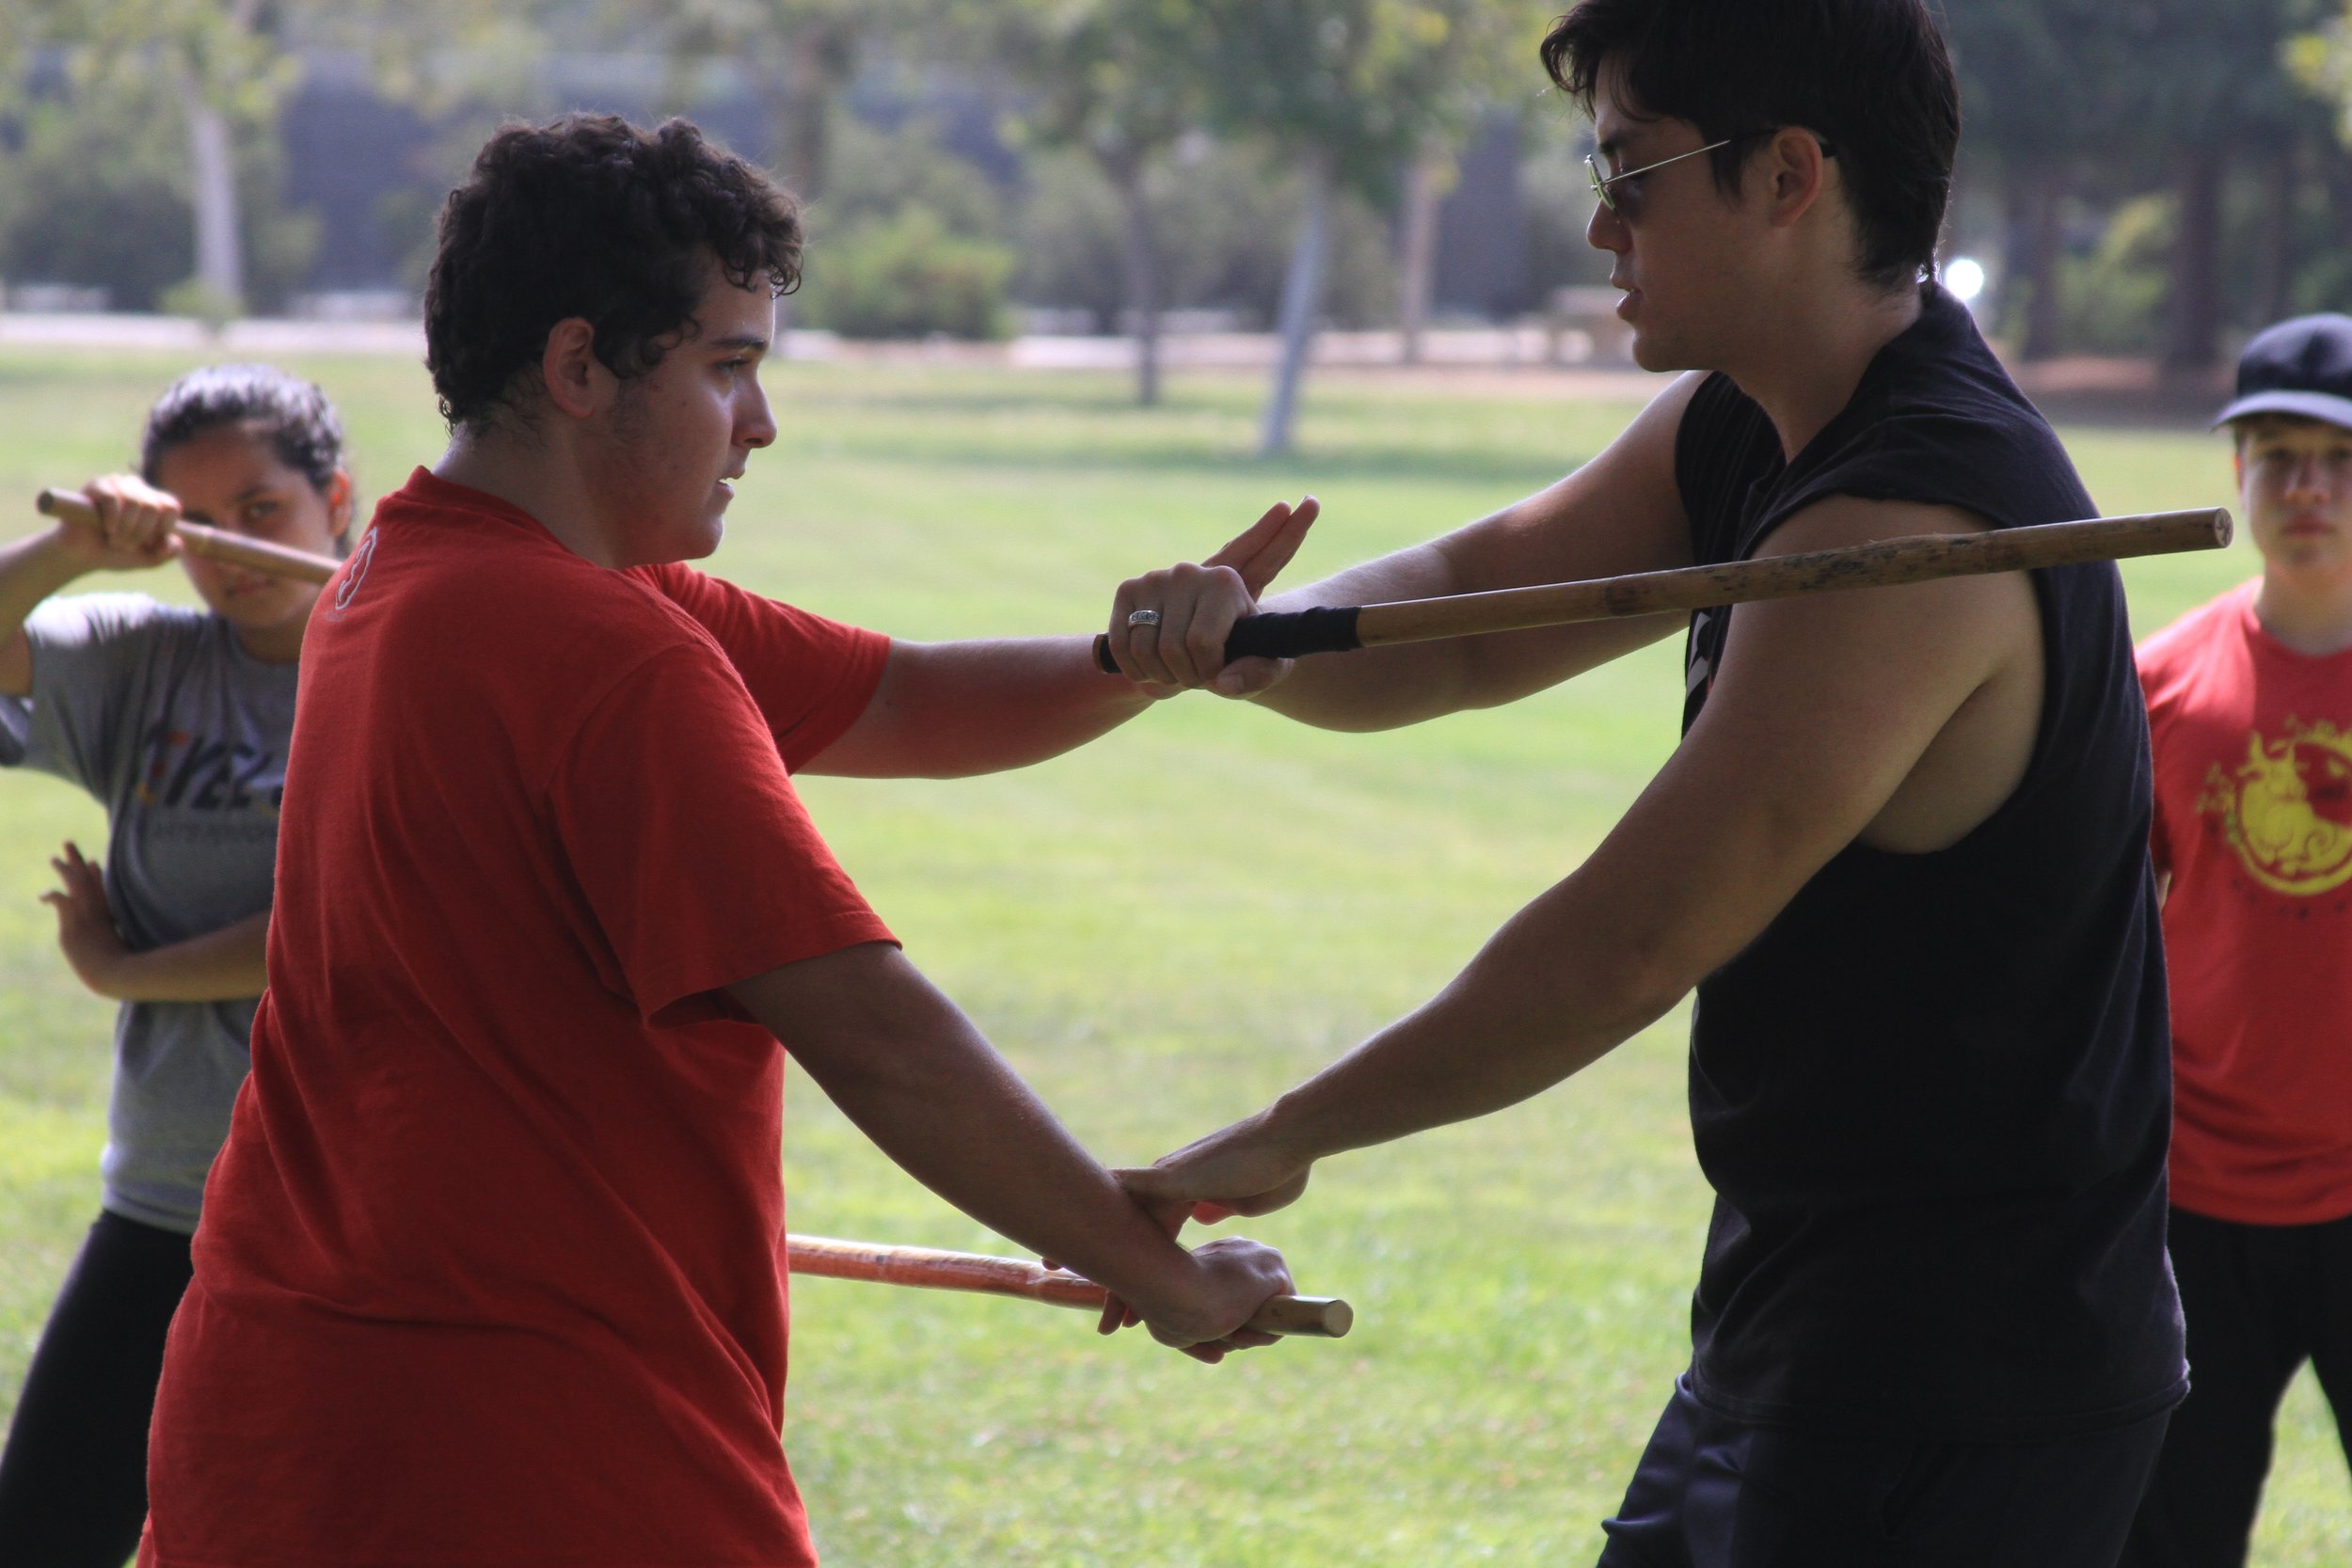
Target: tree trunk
2192, 335
213, 168
2335, 173
1416, 275
2275, 281
1139, 256
2039, 192
815, 62
1302, 299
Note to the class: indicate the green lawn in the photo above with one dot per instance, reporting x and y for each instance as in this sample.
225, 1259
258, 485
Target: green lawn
1160, 931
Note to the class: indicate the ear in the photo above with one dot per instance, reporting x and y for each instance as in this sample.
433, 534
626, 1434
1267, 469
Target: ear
576, 382
1795, 173
338, 497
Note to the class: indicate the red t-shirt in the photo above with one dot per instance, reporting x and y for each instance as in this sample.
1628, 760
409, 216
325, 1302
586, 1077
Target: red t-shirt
2253, 750
491, 1269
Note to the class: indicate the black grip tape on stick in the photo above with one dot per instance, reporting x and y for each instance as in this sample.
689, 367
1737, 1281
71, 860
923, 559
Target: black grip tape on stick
1294, 634
1282, 635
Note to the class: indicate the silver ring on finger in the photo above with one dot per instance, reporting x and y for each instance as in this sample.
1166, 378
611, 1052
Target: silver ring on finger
1143, 617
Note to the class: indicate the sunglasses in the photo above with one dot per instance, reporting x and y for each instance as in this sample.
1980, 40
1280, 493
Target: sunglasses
1608, 199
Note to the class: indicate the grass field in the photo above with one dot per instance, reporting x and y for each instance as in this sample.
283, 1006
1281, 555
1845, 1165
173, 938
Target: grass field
1160, 931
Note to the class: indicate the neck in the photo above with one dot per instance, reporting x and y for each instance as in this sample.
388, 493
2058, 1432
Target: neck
2310, 613
1804, 361
536, 478
278, 644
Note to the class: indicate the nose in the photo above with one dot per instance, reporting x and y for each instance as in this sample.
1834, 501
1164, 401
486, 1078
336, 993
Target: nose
1606, 231
755, 422
2307, 480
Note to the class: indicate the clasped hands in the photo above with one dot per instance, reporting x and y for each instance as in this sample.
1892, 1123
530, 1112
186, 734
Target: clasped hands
1169, 627
1243, 1170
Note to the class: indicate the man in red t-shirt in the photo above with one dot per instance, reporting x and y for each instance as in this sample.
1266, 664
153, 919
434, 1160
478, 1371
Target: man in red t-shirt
2249, 705
492, 1266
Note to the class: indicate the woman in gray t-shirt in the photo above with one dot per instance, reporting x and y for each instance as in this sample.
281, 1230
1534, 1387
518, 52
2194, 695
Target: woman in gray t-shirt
178, 720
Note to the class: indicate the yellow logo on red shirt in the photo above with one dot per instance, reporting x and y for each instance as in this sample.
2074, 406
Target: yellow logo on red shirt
2287, 808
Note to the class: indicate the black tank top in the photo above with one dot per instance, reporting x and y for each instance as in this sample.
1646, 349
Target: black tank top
1934, 1096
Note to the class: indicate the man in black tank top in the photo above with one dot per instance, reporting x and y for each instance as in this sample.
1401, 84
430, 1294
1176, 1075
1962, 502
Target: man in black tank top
1900, 854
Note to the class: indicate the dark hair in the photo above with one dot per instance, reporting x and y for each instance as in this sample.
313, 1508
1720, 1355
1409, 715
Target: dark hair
591, 216
292, 413
1870, 77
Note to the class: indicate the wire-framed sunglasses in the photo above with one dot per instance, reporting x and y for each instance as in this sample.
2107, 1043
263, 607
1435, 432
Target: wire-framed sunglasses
1601, 183
1602, 194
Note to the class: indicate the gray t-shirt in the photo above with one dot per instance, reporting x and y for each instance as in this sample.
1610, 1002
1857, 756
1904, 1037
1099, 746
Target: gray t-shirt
181, 734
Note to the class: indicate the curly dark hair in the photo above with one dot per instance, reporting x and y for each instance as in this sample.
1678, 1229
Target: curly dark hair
294, 416
594, 217
1870, 77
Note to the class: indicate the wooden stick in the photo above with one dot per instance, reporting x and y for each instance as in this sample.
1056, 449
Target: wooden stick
1320, 1317
211, 544
1922, 557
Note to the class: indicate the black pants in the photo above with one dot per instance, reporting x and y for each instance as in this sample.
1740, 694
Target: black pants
2260, 1300
1714, 1493
74, 1476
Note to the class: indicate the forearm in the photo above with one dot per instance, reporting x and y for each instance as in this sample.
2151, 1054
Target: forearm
219, 966
1557, 988
1374, 688
31, 569
954, 710
903, 1064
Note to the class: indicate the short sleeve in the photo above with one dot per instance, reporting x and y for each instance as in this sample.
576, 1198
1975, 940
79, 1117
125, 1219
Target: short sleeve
683, 831
90, 652
810, 677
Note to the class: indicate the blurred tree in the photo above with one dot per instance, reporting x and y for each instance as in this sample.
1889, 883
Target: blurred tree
1494, 73
228, 65
909, 247
1120, 80
798, 57
222, 62
1345, 93
2209, 85
2039, 83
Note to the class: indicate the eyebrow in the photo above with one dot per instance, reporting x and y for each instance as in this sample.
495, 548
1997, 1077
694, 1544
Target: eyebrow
745, 341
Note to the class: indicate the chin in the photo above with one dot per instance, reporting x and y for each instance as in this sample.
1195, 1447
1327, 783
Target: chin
1652, 355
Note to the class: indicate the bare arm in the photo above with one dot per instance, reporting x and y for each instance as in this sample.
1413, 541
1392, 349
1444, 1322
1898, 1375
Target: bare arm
1832, 718
918, 1078
219, 966
1620, 512
952, 709
134, 531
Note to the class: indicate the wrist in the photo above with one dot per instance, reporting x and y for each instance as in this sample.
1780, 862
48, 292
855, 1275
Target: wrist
52, 559
112, 971
1288, 1128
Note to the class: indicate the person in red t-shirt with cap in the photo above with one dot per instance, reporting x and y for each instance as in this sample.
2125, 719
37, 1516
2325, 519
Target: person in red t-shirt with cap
492, 1266
2249, 705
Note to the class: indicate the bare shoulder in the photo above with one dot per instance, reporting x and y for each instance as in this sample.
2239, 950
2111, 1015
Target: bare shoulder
1942, 681
1836, 521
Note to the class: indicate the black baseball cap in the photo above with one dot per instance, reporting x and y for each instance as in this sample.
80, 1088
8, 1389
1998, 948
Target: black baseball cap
2303, 366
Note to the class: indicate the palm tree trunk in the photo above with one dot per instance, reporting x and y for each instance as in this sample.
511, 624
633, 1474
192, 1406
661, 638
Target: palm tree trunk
1139, 255
2035, 194
1417, 274
2192, 336
1302, 299
2274, 282
213, 168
